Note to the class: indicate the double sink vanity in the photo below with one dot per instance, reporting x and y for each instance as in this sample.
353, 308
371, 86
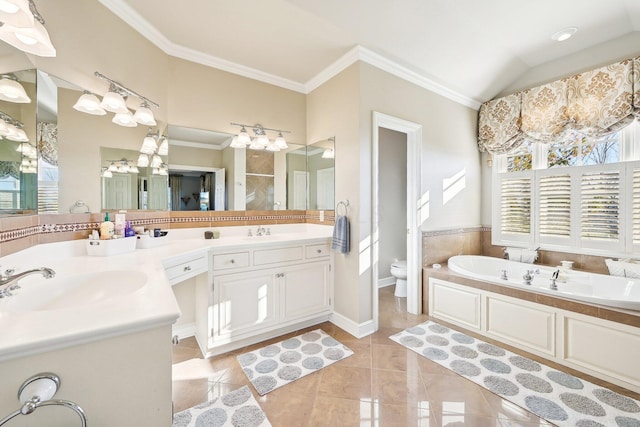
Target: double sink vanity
104, 324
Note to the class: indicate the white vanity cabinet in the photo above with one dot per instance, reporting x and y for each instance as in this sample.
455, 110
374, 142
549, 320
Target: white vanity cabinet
264, 291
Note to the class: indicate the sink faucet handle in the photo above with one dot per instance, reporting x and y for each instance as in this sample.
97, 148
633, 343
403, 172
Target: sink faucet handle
8, 272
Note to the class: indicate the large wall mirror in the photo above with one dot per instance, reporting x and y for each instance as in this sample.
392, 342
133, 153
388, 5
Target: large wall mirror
72, 156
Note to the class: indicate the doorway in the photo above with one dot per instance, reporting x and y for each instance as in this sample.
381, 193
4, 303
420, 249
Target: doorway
413, 133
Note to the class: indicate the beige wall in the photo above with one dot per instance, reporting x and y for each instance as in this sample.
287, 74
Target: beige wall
194, 156
332, 109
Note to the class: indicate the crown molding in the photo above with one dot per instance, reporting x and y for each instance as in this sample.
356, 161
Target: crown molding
205, 146
125, 12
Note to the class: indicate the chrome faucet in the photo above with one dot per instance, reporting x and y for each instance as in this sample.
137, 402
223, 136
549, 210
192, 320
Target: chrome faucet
260, 231
528, 276
554, 277
9, 281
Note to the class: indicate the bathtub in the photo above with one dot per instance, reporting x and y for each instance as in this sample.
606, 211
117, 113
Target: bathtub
593, 288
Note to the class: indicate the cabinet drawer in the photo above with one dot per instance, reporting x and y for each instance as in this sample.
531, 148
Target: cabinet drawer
316, 251
271, 256
227, 261
184, 270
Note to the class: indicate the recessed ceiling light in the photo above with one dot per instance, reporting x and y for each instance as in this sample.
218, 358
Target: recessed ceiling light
564, 34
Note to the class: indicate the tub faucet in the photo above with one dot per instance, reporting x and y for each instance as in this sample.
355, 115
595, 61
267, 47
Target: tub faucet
506, 253
9, 281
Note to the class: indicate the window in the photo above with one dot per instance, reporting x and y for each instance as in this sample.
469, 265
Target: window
582, 196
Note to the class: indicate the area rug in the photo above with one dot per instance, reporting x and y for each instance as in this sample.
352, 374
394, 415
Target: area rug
238, 409
278, 364
553, 395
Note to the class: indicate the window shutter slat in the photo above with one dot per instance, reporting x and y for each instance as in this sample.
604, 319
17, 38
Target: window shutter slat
600, 205
555, 205
515, 206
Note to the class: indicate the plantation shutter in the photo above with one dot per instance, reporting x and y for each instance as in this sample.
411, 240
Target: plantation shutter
600, 205
515, 206
635, 209
555, 205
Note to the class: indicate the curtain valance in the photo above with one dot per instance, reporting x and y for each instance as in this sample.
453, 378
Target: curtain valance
594, 103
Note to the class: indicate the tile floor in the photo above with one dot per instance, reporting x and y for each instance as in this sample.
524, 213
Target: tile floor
383, 384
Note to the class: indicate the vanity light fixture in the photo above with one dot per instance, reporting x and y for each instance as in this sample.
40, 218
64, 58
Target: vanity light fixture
564, 34
115, 101
261, 140
106, 173
23, 32
90, 104
12, 129
11, 90
156, 161
149, 143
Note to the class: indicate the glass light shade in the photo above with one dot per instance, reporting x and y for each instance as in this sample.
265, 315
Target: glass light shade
12, 91
272, 147
280, 142
163, 148
34, 39
133, 169
12, 132
235, 142
155, 171
90, 104
256, 145
163, 171
124, 119
21, 135
16, 13
144, 116
156, 161
328, 154
243, 137
107, 174
4, 128
149, 145
113, 167
114, 102
143, 160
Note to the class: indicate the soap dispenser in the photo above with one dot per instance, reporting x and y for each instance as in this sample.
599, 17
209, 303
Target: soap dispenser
107, 228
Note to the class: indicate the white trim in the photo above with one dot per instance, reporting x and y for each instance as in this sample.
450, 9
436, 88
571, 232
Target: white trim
387, 281
358, 53
414, 234
192, 168
357, 330
201, 145
184, 331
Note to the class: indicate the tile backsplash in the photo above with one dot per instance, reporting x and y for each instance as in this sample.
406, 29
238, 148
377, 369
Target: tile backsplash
21, 232
439, 246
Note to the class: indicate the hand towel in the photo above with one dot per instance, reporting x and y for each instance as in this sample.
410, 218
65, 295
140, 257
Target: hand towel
341, 235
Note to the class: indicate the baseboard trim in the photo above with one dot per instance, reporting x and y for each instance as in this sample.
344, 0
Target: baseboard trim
387, 281
358, 330
184, 331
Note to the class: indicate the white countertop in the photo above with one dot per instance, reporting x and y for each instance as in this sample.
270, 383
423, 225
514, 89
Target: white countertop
152, 305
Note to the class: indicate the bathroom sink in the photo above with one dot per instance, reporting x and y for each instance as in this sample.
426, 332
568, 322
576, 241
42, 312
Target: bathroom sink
72, 291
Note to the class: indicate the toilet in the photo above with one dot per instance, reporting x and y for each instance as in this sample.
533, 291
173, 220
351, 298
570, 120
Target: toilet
399, 271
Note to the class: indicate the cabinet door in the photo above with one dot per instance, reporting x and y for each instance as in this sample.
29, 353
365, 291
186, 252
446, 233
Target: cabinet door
244, 304
305, 290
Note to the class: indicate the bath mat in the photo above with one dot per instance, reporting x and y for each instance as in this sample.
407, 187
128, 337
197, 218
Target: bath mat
559, 398
237, 408
278, 364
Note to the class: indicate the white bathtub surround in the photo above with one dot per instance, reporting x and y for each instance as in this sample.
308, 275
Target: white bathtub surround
589, 287
528, 256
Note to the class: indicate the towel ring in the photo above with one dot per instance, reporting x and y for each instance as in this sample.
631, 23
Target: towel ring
344, 205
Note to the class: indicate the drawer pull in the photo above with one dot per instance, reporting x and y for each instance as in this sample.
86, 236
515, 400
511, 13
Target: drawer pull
319, 251
232, 261
187, 268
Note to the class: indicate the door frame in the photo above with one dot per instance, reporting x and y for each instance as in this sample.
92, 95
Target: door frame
414, 236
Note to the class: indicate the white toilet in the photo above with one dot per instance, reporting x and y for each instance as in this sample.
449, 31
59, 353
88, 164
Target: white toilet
399, 271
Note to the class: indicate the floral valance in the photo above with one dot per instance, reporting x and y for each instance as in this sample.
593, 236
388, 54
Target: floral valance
594, 103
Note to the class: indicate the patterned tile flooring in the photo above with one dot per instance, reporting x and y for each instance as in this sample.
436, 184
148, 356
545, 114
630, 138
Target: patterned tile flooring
382, 384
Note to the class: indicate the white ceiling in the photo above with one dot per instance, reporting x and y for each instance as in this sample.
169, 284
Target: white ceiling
473, 49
